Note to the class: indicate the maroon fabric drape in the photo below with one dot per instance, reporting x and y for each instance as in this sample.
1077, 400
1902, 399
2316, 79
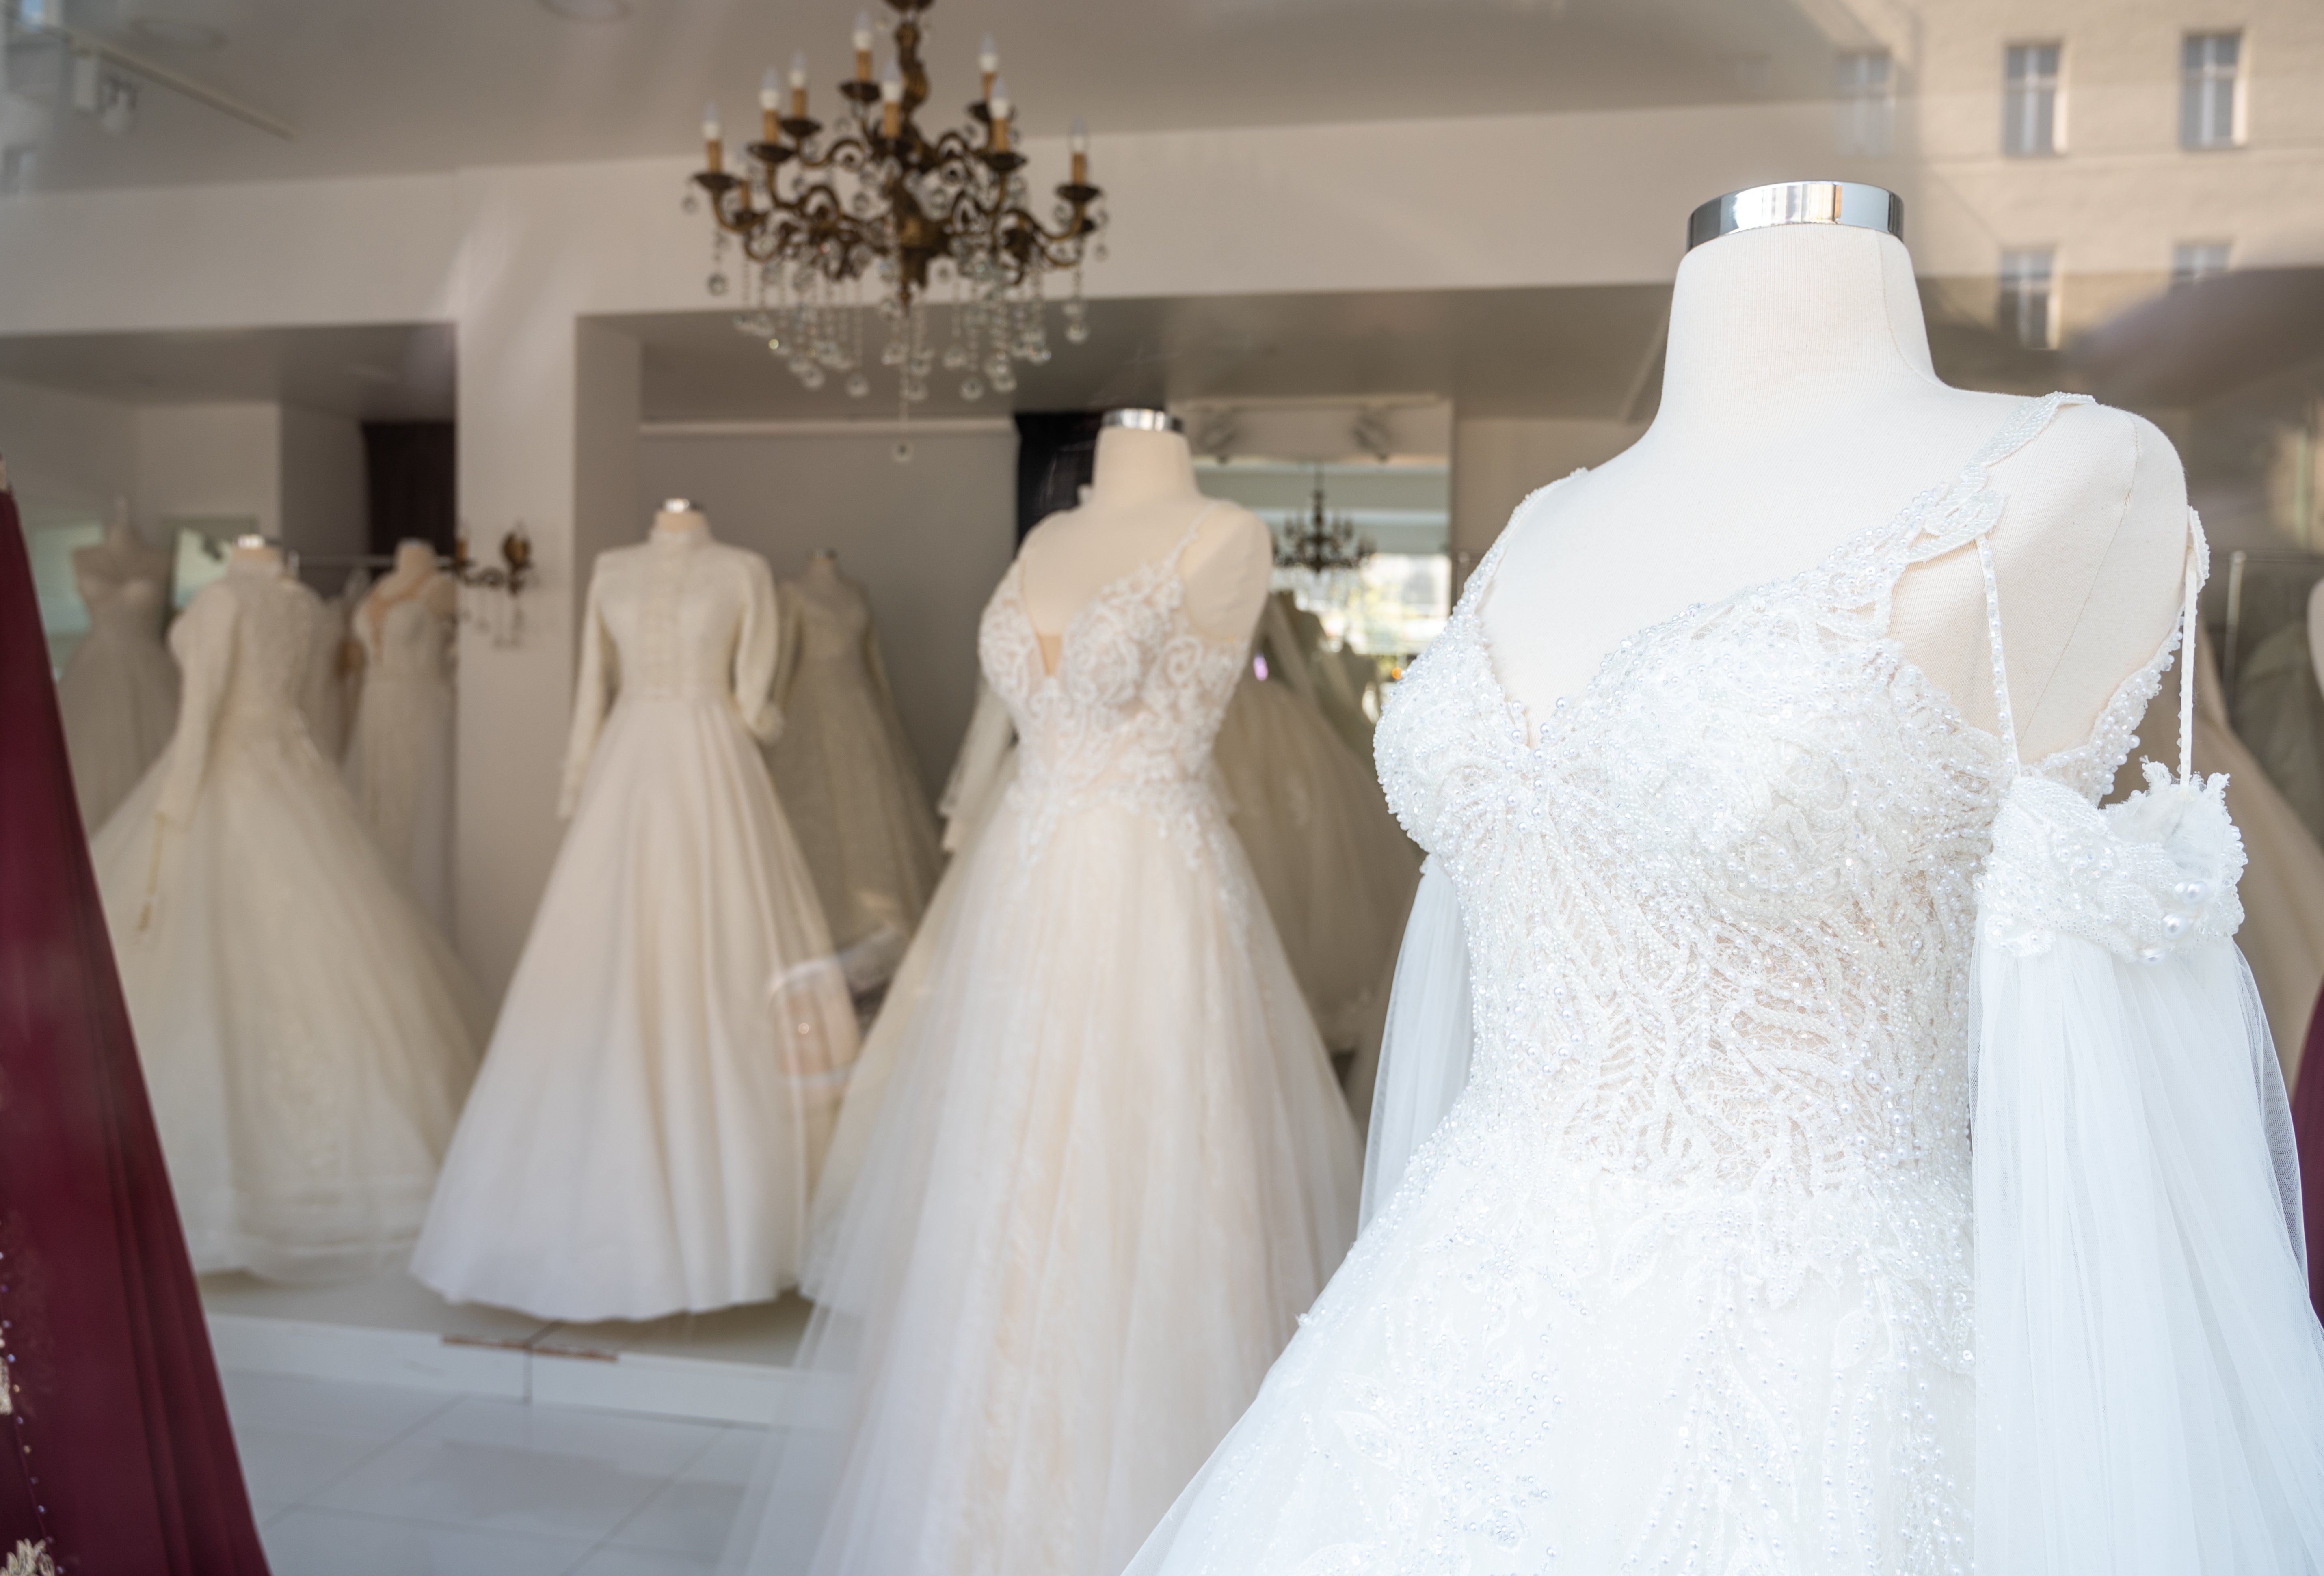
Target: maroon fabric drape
2308, 1122
117, 1449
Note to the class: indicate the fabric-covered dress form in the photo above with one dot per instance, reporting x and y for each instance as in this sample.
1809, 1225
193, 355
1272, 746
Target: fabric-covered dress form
654, 1102
846, 778
1683, 1278
119, 690
400, 760
1112, 1163
118, 1455
307, 1034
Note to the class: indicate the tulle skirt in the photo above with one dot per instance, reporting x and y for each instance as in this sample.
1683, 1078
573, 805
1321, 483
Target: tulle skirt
307, 1034
1532, 1363
399, 768
118, 696
1110, 1169
668, 1061
847, 782
1337, 872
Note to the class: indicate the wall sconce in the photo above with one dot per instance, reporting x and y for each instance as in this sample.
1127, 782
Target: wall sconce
489, 591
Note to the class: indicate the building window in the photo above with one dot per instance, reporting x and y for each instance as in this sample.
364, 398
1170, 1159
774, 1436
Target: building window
2211, 90
2029, 298
2194, 260
2030, 121
1867, 103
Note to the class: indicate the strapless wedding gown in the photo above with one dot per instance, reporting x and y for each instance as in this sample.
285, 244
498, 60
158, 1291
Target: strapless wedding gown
846, 778
1683, 1280
400, 759
658, 1092
1113, 1163
118, 693
307, 1034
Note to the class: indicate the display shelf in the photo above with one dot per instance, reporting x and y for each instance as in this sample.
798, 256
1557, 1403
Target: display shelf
733, 1365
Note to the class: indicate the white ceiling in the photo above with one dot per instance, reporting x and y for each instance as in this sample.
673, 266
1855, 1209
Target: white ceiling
375, 85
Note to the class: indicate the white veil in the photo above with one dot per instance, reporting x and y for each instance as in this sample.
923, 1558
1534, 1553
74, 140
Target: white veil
1425, 1051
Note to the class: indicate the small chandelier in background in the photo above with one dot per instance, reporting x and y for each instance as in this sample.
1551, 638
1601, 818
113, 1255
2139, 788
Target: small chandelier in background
1322, 545
822, 210
489, 591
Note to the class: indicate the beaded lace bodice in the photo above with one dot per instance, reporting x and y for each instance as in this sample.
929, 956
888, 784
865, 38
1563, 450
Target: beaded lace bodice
1130, 713
680, 617
409, 640
1719, 917
127, 608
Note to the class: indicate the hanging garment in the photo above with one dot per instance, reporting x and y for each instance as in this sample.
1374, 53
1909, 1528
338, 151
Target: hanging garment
112, 1401
119, 689
2283, 889
653, 1105
399, 763
1336, 870
305, 1033
2279, 713
846, 778
2308, 1128
1686, 1276
331, 689
1112, 1165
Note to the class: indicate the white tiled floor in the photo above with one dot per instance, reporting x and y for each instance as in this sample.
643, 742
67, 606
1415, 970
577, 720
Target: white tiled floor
353, 1479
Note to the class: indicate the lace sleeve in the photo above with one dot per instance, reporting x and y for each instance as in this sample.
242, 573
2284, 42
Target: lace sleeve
756, 650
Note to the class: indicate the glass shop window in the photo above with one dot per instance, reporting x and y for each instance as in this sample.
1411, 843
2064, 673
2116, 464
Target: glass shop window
2031, 124
2029, 298
2211, 90
1868, 103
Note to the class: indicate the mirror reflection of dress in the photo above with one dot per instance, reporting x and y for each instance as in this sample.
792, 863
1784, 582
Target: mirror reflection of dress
846, 778
400, 759
660, 1084
118, 693
307, 1034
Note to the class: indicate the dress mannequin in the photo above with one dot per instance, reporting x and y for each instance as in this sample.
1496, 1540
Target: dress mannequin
1141, 499
399, 763
253, 554
118, 694
680, 514
1800, 406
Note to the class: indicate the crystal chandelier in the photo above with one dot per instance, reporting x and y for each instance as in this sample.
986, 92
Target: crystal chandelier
1323, 544
872, 196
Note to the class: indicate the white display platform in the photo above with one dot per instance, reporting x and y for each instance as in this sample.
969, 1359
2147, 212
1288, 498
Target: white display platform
733, 1365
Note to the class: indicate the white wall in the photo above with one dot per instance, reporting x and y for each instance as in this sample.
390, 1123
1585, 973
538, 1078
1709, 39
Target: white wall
928, 541
320, 485
211, 460
67, 454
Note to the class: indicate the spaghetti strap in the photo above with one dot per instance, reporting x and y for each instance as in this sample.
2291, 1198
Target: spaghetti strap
2199, 569
1170, 560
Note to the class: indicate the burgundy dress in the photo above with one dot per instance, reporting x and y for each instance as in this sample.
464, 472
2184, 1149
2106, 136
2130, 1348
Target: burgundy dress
115, 1456
2308, 1122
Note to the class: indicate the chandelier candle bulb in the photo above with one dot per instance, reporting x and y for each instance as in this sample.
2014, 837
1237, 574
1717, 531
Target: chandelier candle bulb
863, 46
892, 102
798, 85
1078, 142
997, 102
714, 149
771, 106
988, 62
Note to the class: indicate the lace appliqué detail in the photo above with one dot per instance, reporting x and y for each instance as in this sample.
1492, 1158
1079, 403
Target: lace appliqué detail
29, 1558
1129, 716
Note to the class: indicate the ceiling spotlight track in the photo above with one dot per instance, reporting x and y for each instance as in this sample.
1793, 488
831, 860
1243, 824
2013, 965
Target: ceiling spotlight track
873, 197
42, 19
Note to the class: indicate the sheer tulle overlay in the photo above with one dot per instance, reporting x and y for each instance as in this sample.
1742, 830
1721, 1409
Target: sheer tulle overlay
1108, 1169
643, 1134
118, 694
1684, 1279
307, 1034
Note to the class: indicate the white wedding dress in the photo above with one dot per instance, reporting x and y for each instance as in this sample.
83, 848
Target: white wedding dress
1113, 1163
399, 761
653, 1106
118, 694
1685, 1280
846, 778
306, 1034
